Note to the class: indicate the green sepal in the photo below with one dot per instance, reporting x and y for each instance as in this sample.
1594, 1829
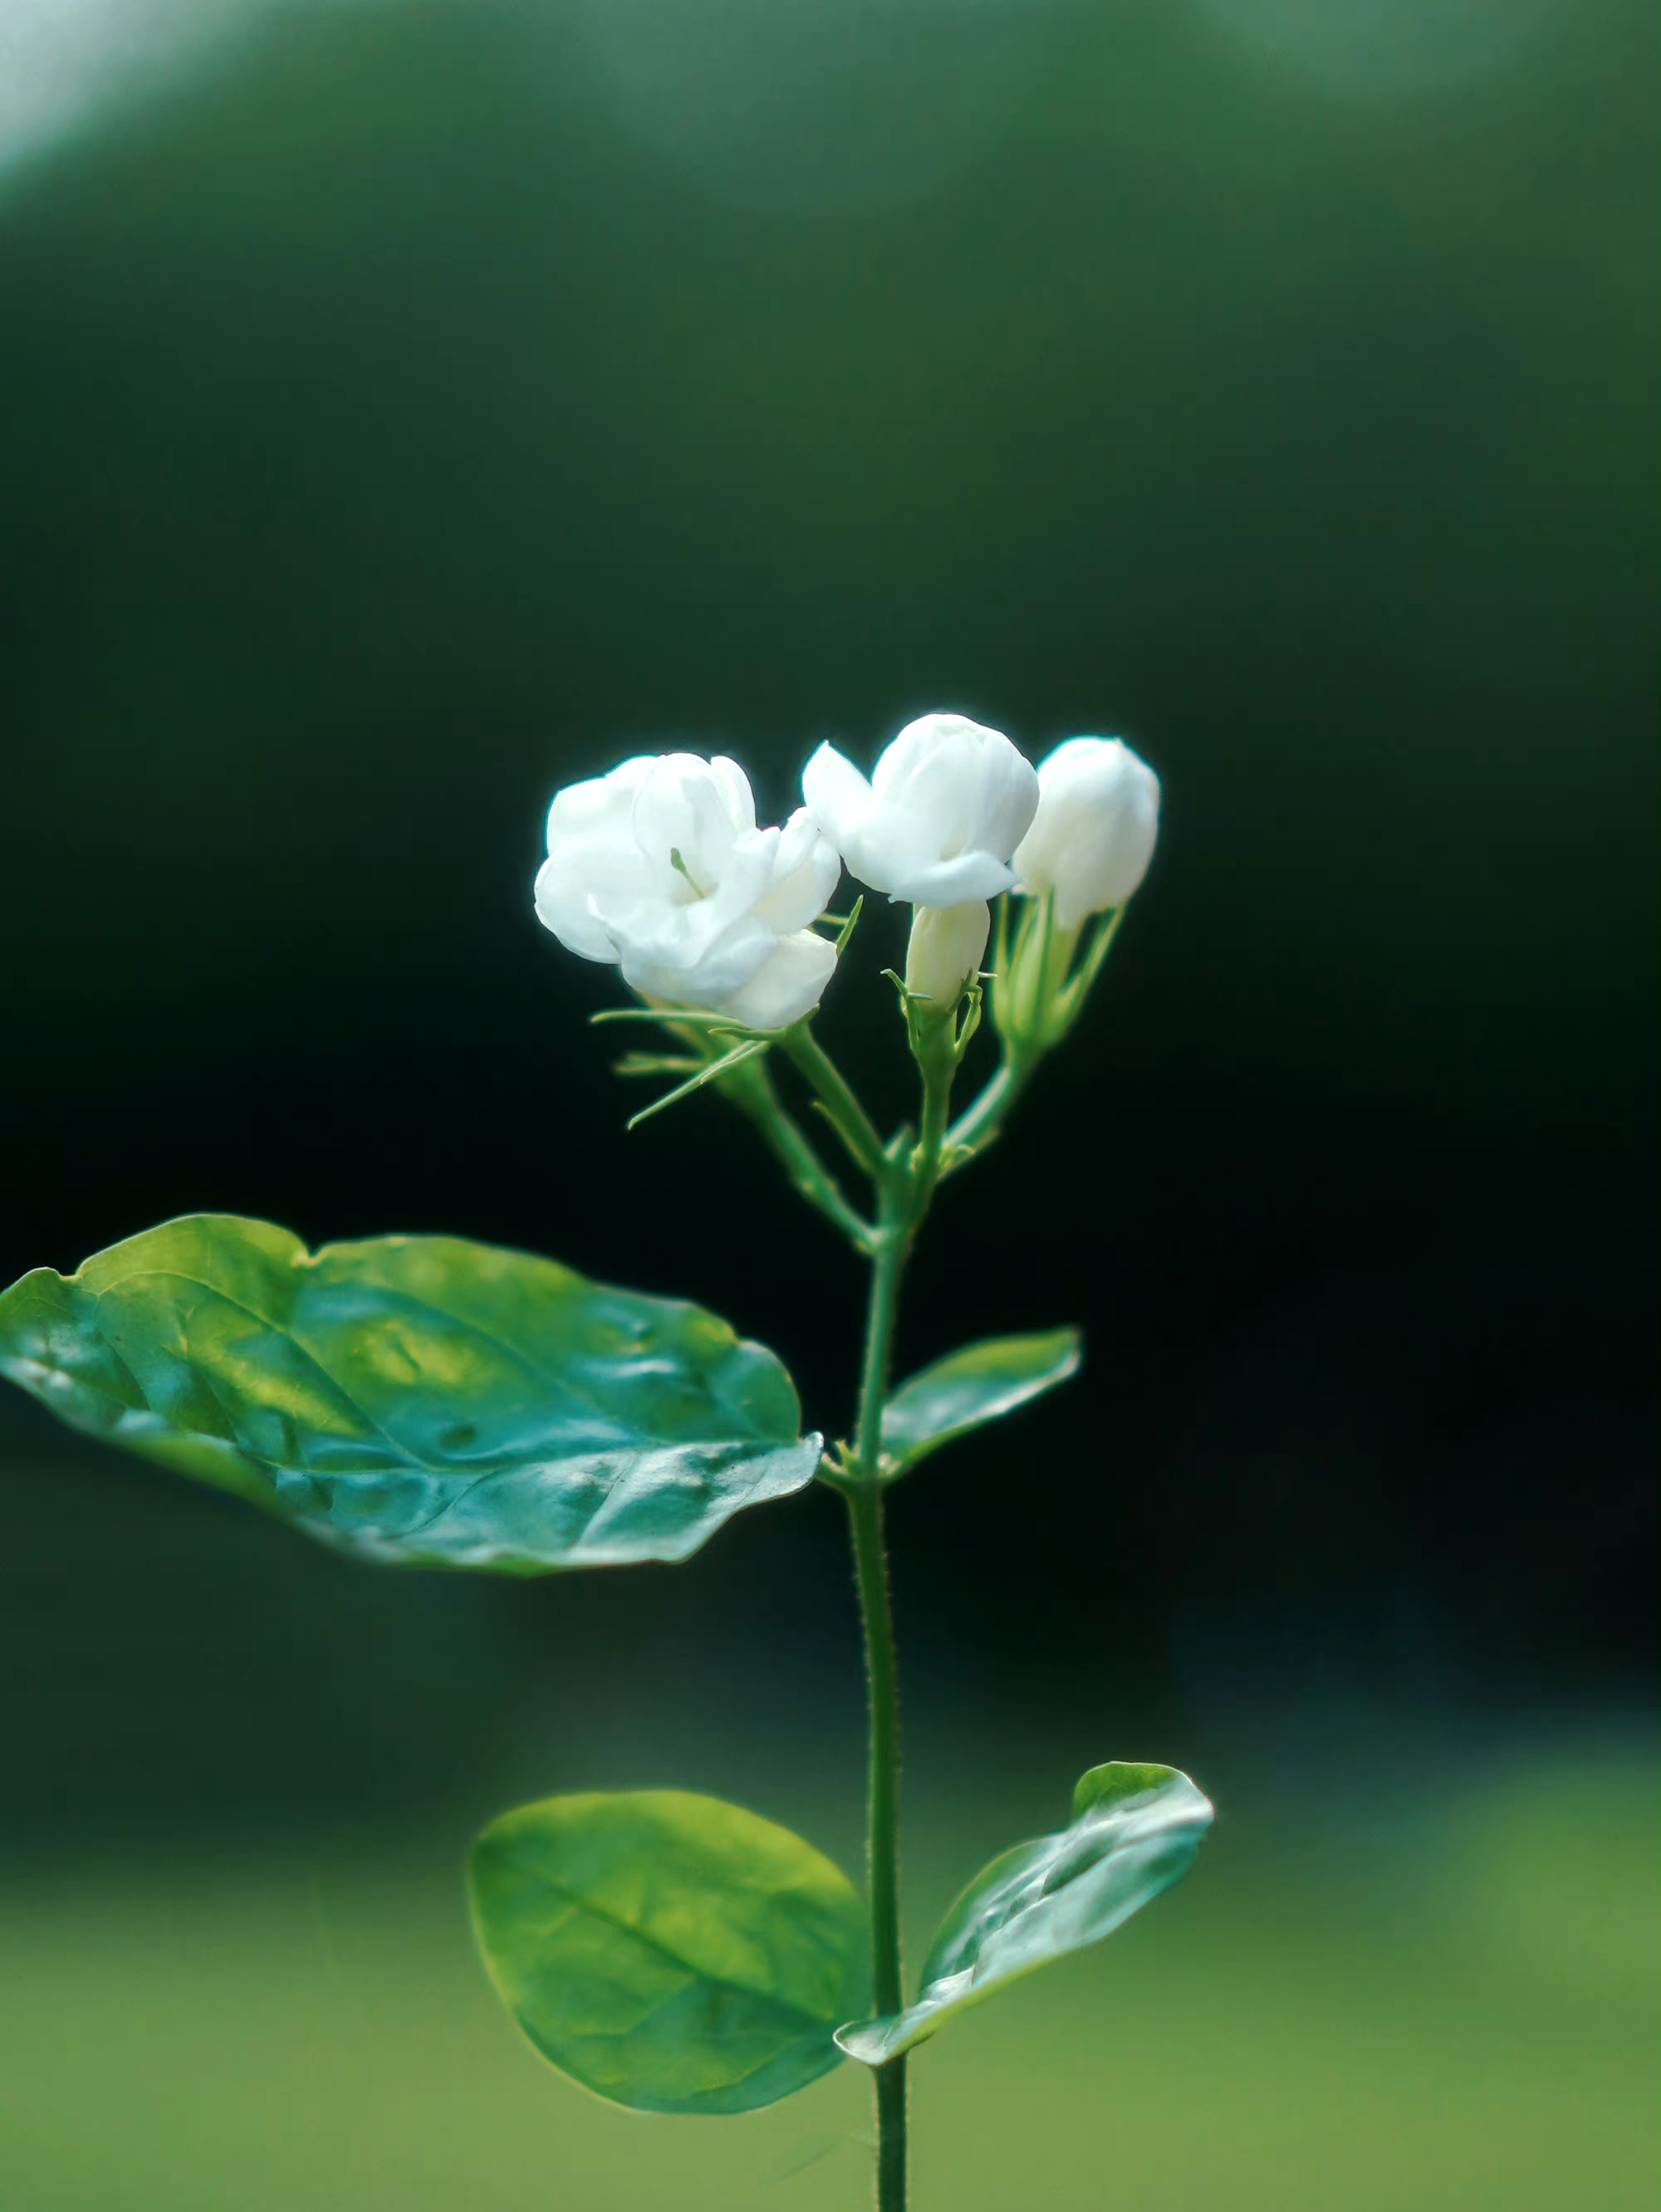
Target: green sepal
746, 1048
1043, 980
981, 1382
1134, 1830
413, 1399
847, 924
670, 1951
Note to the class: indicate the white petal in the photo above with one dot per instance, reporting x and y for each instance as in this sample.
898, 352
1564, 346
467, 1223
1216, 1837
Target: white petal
602, 805
806, 873
747, 875
1008, 799
562, 907
790, 985
838, 796
940, 795
956, 882
660, 968
684, 806
916, 745
740, 799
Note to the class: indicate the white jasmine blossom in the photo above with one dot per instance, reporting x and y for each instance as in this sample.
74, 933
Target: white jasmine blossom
944, 809
660, 867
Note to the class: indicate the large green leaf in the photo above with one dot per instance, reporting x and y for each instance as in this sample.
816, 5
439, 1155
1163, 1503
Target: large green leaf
414, 1398
670, 1951
1134, 1830
980, 1383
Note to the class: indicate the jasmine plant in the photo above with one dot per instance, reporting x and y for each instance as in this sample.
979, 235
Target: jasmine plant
429, 1401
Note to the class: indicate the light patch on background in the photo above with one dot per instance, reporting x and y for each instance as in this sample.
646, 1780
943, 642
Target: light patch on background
804, 105
1385, 47
814, 105
67, 65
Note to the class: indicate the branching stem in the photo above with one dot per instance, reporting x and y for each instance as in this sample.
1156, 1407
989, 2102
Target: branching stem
750, 1089
979, 1123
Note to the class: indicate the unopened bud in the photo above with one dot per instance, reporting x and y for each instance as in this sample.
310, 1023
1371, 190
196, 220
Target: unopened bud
1093, 836
947, 945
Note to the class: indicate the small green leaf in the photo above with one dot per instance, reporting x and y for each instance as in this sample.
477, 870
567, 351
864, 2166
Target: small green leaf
980, 1383
417, 1400
686, 1018
670, 1951
655, 1063
1135, 1831
847, 924
746, 1049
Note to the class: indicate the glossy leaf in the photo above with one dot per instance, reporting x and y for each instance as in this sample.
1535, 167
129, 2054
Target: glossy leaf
414, 1398
670, 1951
967, 1389
1134, 1830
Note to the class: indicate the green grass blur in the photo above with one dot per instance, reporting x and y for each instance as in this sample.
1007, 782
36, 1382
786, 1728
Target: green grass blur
1458, 2010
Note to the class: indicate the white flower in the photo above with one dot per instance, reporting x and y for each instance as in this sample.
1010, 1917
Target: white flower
947, 805
1093, 836
660, 867
947, 943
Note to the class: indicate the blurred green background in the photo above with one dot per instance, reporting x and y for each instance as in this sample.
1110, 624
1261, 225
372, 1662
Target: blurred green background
407, 407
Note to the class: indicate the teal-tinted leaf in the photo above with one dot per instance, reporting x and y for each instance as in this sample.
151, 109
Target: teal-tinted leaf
414, 1398
979, 1384
669, 1951
1134, 1830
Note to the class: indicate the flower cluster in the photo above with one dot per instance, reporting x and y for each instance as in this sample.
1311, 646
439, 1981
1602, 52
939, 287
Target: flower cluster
659, 867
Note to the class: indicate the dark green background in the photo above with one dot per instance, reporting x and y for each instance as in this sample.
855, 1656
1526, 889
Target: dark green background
427, 405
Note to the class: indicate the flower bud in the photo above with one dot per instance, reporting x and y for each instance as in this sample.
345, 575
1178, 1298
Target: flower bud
947, 948
1093, 836
660, 867
947, 805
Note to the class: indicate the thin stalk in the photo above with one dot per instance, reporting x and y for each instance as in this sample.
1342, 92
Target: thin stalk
836, 1096
750, 1089
864, 1498
936, 1047
980, 1122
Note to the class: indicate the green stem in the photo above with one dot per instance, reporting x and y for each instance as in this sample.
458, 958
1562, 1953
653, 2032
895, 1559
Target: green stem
864, 1496
934, 1046
836, 1096
979, 1123
750, 1089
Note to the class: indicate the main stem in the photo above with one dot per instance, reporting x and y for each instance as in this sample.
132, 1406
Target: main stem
882, 1677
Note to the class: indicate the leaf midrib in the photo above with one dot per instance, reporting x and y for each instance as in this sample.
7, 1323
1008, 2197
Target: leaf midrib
576, 1898
401, 1451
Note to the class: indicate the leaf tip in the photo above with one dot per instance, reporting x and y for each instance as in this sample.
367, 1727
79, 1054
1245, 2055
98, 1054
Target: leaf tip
864, 2040
1119, 1784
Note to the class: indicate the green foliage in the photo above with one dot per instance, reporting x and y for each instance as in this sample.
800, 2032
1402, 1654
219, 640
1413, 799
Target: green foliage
1134, 1830
670, 1951
980, 1383
419, 1400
